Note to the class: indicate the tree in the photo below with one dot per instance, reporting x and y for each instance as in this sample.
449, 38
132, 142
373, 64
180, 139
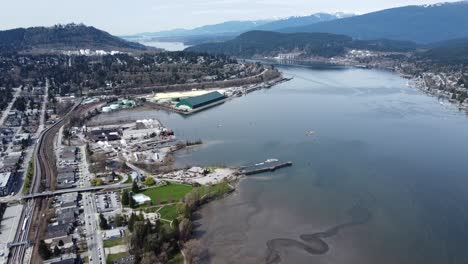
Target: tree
183, 210
96, 182
44, 250
60, 243
20, 104
175, 227
185, 229
132, 202
103, 222
57, 251
118, 220
193, 198
135, 188
131, 221
125, 198
192, 250
149, 258
149, 181
137, 240
67, 135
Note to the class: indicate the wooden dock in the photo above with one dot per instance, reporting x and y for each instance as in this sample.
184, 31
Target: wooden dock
266, 167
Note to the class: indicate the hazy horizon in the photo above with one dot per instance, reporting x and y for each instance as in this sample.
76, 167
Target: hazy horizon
152, 16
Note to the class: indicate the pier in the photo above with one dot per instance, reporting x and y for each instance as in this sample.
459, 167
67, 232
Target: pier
269, 165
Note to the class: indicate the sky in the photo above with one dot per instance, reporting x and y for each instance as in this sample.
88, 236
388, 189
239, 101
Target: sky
124, 17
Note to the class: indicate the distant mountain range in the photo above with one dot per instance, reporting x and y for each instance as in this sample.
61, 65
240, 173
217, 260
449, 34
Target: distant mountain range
422, 24
255, 44
230, 29
268, 43
63, 37
450, 51
301, 21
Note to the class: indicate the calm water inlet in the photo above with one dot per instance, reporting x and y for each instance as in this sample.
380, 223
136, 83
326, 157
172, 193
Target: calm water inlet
382, 180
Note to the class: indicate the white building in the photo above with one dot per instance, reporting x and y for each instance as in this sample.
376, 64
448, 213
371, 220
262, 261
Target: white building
6, 180
141, 198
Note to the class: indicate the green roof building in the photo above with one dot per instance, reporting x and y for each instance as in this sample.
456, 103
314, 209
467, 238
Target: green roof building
201, 100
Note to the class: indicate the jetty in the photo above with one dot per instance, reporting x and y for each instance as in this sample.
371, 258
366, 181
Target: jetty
266, 166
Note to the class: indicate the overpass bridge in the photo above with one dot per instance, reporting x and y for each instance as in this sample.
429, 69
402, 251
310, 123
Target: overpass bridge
59, 192
81, 189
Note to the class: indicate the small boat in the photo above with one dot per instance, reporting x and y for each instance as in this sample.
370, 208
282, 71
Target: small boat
310, 133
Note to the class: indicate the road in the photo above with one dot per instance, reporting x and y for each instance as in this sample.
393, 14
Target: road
116, 186
10, 105
93, 233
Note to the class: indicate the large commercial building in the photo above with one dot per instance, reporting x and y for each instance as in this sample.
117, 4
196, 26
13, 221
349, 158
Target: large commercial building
201, 100
6, 181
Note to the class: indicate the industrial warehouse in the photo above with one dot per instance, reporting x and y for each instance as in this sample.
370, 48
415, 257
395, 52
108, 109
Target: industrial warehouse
189, 102
201, 100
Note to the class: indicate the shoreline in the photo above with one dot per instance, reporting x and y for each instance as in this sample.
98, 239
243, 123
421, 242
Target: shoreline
242, 91
414, 80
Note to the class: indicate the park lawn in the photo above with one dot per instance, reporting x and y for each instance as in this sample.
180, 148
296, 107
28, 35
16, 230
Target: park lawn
169, 212
172, 192
110, 258
86, 259
114, 242
129, 179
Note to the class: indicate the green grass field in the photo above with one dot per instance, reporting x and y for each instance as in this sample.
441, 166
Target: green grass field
113, 257
114, 242
169, 212
169, 193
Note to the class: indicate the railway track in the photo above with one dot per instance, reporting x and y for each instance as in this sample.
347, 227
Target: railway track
44, 170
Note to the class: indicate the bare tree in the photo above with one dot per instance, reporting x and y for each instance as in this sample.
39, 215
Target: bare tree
192, 250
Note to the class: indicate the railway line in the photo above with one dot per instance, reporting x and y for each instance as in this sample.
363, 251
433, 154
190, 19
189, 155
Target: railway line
44, 176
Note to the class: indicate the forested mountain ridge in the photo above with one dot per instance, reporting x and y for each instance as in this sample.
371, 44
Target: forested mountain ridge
267, 43
421, 24
62, 37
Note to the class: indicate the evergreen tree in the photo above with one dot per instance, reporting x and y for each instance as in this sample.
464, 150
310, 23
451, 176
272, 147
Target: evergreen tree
132, 202
118, 220
135, 188
125, 198
57, 251
44, 250
103, 222
131, 221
